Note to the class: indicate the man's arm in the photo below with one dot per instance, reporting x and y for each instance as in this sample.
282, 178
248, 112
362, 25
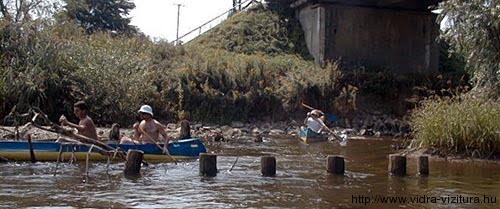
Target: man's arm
137, 132
164, 134
64, 121
161, 130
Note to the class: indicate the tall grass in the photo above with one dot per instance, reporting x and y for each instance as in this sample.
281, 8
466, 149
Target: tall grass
257, 30
465, 125
222, 86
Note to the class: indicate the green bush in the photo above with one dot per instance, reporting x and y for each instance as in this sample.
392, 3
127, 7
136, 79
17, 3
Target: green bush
459, 126
117, 74
55, 65
218, 85
33, 72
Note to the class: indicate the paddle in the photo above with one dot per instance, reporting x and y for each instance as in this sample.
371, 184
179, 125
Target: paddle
342, 141
165, 151
69, 133
329, 116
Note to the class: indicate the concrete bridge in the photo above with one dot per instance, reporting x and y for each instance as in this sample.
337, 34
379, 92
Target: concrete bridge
395, 34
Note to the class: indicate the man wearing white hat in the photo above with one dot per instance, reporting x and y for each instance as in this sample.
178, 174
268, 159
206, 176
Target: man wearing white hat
314, 121
149, 129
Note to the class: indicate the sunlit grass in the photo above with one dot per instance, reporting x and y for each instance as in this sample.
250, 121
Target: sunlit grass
467, 126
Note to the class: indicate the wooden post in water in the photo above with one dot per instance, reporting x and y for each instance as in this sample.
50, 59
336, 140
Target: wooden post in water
208, 165
335, 164
32, 153
268, 165
397, 165
423, 165
133, 164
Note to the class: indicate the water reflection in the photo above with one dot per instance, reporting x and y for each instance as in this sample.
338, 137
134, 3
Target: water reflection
301, 180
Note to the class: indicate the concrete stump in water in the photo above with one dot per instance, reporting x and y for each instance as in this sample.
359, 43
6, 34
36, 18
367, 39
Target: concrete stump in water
133, 164
268, 165
208, 165
423, 165
397, 165
335, 164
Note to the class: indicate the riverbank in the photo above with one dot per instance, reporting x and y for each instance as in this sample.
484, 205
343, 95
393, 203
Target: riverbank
376, 125
438, 155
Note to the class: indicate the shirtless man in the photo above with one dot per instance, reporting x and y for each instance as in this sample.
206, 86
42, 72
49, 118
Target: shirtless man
85, 126
149, 129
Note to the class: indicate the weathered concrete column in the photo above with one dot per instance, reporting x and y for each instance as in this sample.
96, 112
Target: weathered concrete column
423, 165
268, 165
208, 165
335, 164
397, 165
133, 164
396, 36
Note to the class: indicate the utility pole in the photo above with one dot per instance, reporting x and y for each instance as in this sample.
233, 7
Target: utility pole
178, 14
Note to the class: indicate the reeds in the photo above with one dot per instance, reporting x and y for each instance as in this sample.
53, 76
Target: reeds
463, 125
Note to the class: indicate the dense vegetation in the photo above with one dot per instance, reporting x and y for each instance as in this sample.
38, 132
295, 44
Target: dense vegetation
459, 126
259, 30
467, 123
54, 62
254, 66
473, 29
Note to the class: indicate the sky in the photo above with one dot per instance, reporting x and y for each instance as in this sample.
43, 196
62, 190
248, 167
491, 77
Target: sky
158, 18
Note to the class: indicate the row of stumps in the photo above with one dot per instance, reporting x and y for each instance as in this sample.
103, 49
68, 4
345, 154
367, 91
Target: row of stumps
208, 165
397, 165
334, 164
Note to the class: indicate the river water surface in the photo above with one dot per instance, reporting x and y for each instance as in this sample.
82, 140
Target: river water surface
301, 181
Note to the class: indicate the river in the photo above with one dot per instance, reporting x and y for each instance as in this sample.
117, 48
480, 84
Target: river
301, 181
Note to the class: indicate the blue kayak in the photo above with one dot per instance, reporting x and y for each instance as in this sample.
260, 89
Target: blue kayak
49, 151
309, 136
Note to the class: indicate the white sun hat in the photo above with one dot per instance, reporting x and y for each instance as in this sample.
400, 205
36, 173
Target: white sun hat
146, 109
318, 113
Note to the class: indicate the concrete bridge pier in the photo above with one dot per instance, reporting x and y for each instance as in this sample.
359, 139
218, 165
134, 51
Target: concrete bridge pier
398, 35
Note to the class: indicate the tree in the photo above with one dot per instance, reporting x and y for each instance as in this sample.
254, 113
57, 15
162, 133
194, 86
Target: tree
99, 15
21, 11
473, 29
282, 7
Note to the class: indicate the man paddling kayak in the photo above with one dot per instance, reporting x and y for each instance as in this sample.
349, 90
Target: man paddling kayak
85, 126
148, 131
314, 121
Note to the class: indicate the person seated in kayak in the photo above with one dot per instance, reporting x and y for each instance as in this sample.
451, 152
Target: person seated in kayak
185, 132
314, 121
128, 140
148, 131
85, 126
